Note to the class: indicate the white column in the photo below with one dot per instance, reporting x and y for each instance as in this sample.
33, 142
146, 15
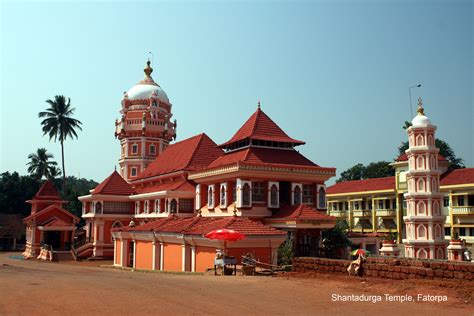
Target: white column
183, 258
115, 251
193, 259
162, 252
122, 252
154, 255
134, 254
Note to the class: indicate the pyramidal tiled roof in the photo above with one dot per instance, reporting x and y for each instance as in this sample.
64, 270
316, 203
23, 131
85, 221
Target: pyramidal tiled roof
190, 154
261, 127
301, 212
47, 191
113, 185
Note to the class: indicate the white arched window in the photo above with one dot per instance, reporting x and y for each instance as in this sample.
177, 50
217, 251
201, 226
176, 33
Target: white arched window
210, 196
438, 232
297, 195
137, 207
419, 140
147, 206
440, 254
420, 185
430, 140
157, 206
173, 206
434, 186
422, 254
421, 206
274, 195
322, 197
246, 195
223, 196
421, 231
420, 163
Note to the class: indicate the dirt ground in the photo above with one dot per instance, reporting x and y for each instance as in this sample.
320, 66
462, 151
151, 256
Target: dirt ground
45, 288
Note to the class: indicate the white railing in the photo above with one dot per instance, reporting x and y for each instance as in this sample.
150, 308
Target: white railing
459, 210
386, 212
362, 213
338, 213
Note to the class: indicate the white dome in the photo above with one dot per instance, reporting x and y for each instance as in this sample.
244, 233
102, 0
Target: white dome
145, 91
420, 121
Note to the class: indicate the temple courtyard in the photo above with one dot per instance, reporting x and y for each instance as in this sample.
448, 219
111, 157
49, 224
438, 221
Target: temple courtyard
48, 288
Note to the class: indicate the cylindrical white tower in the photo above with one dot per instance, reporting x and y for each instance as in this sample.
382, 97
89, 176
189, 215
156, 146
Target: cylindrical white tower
424, 221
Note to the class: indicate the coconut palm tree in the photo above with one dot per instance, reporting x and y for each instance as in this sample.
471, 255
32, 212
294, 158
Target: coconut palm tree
40, 166
54, 172
59, 124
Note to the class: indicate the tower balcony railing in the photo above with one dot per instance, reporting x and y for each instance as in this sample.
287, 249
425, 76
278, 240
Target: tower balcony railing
463, 210
362, 213
338, 213
386, 212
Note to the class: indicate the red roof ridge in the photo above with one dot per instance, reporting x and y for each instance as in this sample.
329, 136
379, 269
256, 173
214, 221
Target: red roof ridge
47, 209
47, 191
113, 185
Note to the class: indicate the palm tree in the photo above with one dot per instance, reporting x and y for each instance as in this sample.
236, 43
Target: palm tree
40, 165
59, 124
54, 172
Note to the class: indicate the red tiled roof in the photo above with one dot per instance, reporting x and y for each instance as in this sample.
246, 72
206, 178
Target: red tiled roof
182, 185
256, 155
47, 191
301, 212
113, 185
48, 209
56, 222
376, 184
190, 154
260, 126
458, 176
404, 157
202, 225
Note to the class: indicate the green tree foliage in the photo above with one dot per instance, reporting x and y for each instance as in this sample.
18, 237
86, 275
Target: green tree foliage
59, 124
444, 150
372, 170
40, 166
336, 237
16, 189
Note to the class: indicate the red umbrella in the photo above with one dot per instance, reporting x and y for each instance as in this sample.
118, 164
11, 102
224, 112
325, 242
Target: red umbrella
225, 234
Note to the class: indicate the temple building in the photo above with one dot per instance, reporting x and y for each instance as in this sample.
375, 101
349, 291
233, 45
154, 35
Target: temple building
153, 215
48, 223
374, 208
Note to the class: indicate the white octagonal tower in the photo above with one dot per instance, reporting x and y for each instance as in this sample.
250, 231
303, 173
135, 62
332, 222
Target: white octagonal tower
145, 128
424, 221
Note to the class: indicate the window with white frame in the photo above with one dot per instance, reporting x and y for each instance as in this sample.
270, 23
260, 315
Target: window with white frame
98, 207
234, 192
246, 194
258, 191
133, 172
460, 200
137, 207
381, 205
152, 149
274, 195
210, 196
297, 195
173, 206
322, 197
147, 206
135, 149
308, 193
223, 195
446, 201
157, 206
356, 205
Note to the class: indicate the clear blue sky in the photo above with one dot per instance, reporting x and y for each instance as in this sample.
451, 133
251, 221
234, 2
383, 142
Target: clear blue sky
332, 73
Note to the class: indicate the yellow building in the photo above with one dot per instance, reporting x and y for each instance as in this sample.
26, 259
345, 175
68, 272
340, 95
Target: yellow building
374, 208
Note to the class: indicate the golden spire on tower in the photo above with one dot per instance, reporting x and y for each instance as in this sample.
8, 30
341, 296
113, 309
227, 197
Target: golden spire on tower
421, 110
148, 70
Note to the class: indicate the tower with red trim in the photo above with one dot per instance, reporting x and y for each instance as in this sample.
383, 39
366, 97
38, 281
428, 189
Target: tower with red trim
424, 221
145, 128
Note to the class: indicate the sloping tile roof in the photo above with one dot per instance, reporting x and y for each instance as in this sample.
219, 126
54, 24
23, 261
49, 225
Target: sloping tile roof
301, 212
56, 222
47, 191
48, 209
376, 184
113, 185
266, 156
404, 157
260, 126
190, 154
182, 185
202, 225
458, 176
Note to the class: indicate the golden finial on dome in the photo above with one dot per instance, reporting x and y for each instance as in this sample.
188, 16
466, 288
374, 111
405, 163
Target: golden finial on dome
421, 110
148, 70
